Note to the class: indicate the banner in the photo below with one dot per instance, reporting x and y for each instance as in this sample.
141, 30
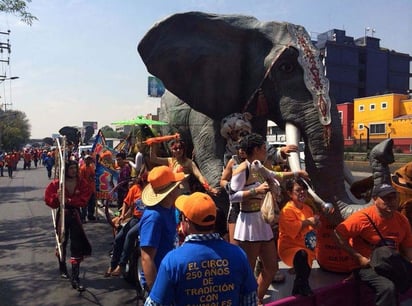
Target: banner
106, 174
155, 87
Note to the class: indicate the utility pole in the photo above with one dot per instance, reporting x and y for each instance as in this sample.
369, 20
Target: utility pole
5, 50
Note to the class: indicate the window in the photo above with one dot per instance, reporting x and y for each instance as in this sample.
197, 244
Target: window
361, 108
384, 105
360, 126
340, 116
377, 128
372, 107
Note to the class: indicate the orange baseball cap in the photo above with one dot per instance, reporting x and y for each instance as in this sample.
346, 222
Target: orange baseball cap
162, 180
198, 208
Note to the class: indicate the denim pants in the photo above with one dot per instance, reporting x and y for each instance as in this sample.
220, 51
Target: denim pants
124, 243
385, 291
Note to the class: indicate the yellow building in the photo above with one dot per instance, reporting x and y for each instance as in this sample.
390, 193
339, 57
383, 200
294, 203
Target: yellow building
384, 116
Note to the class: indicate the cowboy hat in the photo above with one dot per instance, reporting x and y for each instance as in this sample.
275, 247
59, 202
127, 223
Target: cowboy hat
162, 180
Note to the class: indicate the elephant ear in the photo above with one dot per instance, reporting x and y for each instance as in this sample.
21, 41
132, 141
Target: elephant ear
214, 63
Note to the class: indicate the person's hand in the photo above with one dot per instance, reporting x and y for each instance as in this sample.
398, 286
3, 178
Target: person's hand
262, 188
214, 191
313, 221
364, 262
284, 151
302, 173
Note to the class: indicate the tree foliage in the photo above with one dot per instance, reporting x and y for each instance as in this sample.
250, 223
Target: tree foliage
18, 8
108, 132
14, 130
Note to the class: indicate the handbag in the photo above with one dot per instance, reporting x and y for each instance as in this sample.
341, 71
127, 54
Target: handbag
270, 209
389, 263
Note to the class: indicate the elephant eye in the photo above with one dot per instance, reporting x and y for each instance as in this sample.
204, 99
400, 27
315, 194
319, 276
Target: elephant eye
286, 67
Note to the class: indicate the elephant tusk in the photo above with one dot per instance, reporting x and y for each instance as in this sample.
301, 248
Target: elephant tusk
293, 137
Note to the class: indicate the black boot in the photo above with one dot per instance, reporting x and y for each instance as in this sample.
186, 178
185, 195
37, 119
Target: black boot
75, 277
302, 269
63, 270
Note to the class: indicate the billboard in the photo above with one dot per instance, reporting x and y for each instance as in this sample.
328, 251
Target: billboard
90, 123
155, 87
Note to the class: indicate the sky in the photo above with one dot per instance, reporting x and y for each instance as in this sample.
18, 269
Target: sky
79, 62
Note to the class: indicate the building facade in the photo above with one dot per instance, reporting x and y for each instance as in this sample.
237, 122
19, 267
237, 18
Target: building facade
376, 118
359, 68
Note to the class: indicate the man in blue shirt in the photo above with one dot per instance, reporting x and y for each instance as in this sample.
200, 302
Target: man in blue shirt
205, 269
157, 226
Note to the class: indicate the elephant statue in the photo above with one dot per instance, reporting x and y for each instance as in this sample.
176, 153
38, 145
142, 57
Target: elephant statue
216, 65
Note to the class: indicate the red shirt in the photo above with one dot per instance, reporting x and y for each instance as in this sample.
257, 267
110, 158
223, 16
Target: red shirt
79, 198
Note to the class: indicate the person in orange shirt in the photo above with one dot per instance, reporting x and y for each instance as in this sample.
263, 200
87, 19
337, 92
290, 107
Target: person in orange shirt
359, 237
297, 237
9, 162
131, 213
26, 160
88, 172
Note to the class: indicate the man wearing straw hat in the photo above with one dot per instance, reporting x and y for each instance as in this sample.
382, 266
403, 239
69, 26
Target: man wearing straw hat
157, 227
205, 269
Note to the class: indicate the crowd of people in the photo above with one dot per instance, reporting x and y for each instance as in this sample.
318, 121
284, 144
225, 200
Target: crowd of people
159, 206
31, 157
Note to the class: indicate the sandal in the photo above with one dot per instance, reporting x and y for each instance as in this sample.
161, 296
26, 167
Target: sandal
108, 273
117, 272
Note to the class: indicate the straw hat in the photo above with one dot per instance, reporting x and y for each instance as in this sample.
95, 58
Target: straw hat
162, 180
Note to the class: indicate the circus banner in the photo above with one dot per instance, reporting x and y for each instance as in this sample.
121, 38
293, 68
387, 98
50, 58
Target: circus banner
106, 175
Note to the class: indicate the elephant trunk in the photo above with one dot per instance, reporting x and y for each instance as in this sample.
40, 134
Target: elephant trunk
324, 164
380, 157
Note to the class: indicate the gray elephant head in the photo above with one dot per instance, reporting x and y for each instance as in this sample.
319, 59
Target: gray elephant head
224, 64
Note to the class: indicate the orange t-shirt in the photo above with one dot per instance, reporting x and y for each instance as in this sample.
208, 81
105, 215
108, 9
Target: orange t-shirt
292, 237
134, 193
396, 231
89, 174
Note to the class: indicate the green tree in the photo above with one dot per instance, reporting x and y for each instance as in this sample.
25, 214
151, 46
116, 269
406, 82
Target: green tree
14, 130
18, 8
108, 132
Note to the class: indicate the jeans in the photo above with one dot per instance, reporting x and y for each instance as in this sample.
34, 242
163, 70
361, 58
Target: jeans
124, 243
385, 291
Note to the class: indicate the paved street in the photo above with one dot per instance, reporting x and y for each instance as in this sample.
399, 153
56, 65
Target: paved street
29, 268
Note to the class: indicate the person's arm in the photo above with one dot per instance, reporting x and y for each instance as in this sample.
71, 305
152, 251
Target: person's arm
227, 173
51, 196
344, 244
156, 159
82, 195
238, 182
196, 172
288, 174
284, 152
148, 264
137, 165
